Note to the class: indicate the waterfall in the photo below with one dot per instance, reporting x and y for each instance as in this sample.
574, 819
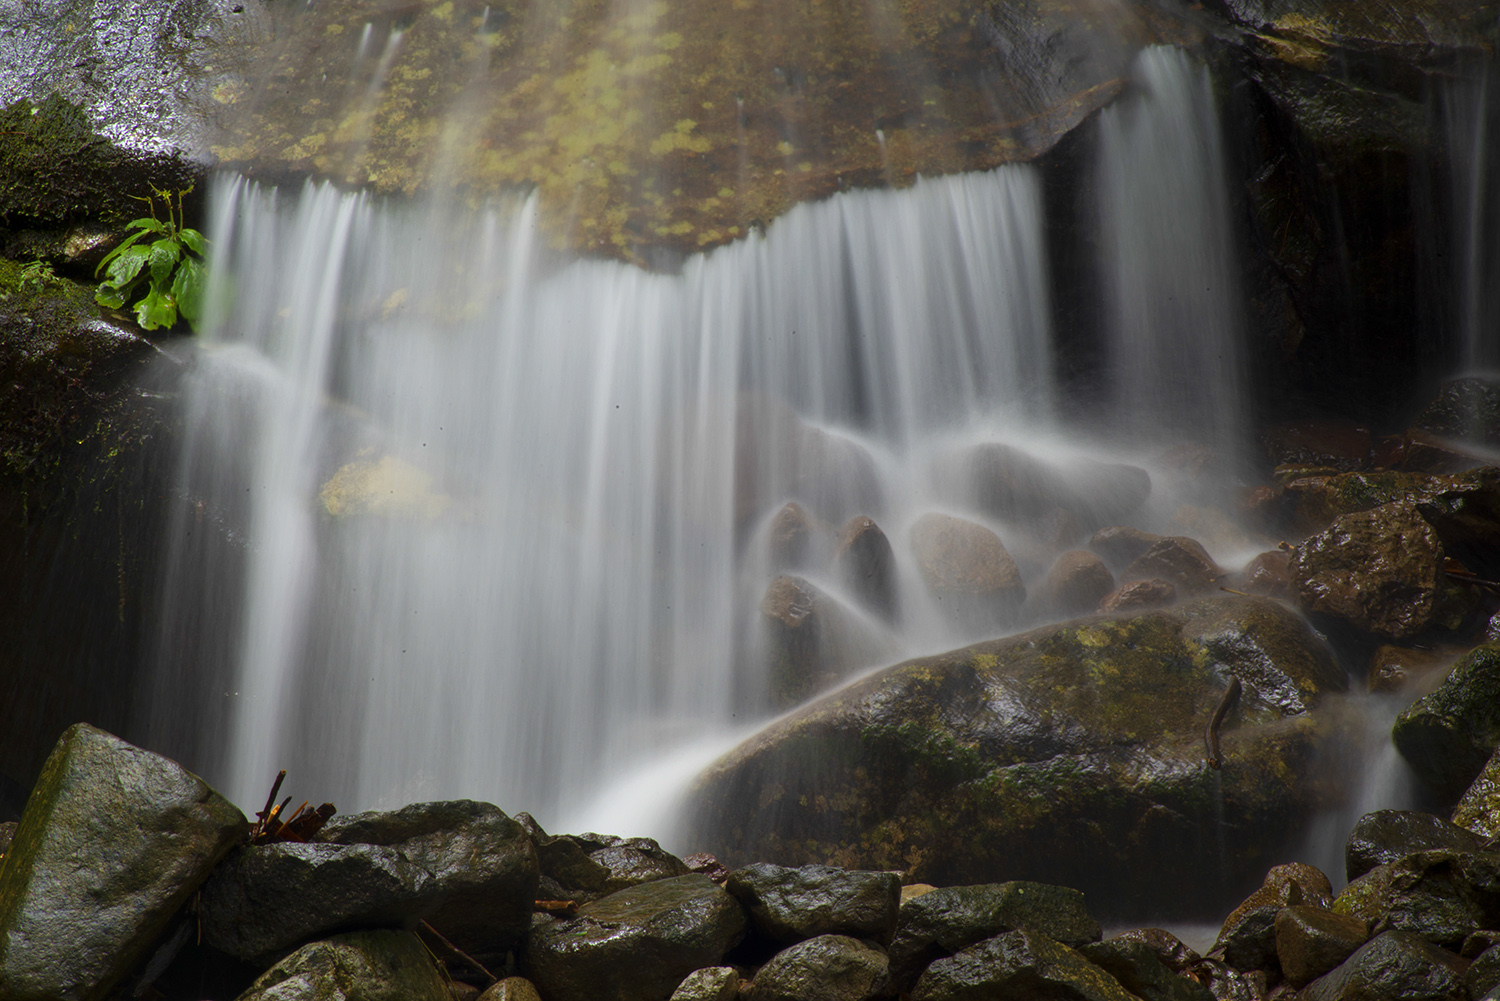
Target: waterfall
483, 500
1168, 254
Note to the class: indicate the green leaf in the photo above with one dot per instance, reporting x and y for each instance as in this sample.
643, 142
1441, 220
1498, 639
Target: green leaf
146, 226
124, 246
109, 297
187, 289
164, 255
125, 267
156, 309
193, 240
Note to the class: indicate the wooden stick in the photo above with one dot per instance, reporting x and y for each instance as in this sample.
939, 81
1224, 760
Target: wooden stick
1211, 735
460, 953
271, 799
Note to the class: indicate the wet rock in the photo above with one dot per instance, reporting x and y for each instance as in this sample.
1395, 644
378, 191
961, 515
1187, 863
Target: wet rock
1249, 943
1179, 560
113, 841
1310, 941
1448, 735
811, 641
368, 965
1013, 963
791, 538
1417, 451
778, 455
1121, 544
1173, 953
994, 762
712, 983
1285, 885
584, 867
1075, 585
1443, 896
863, 558
1395, 964
1466, 517
1467, 409
1387, 835
1479, 810
1394, 667
1483, 975
788, 905
967, 571
511, 989
952, 918
1343, 445
7, 834
825, 968
1135, 963
1268, 574
1377, 570
1313, 502
1008, 483
635, 945
465, 867
1139, 596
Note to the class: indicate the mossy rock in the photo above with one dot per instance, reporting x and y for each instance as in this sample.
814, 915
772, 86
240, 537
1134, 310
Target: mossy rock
1448, 735
1072, 754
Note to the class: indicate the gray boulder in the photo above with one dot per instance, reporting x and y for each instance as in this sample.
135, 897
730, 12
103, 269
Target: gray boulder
1388, 835
950, 919
825, 968
1140, 970
788, 905
1448, 735
463, 866
1443, 896
1020, 964
863, 558
1395, 964
584, 867
635, 945
114, 840
359, 966
712, 983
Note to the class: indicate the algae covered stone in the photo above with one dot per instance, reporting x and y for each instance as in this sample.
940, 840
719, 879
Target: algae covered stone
363, 965
1070, 754
1448, 735
113, 841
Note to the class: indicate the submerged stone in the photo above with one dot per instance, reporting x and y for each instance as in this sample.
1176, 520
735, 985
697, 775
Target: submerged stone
113, 842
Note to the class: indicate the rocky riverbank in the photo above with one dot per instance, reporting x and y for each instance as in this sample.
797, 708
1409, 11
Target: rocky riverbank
127, 876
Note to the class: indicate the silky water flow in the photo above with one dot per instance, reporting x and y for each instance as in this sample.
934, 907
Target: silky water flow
470, 518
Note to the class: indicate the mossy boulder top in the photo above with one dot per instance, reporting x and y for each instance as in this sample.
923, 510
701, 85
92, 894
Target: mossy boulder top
1074, 753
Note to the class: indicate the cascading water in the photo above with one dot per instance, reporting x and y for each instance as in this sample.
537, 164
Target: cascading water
491, 495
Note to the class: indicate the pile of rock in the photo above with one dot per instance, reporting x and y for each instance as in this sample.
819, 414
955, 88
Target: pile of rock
128, 877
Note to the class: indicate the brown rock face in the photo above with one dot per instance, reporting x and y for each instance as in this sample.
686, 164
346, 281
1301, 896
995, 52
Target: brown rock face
1120, 544
1376, 570
1269, 574
1076, 584
967, 570
1139, 595
1178, 559
811, 641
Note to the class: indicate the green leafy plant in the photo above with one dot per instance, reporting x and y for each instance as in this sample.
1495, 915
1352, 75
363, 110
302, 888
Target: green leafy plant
38, 274
170, 268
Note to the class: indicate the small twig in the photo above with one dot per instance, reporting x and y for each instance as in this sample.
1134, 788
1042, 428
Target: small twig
265, 812
1211, 735
460, 953
557, 908
1242, 594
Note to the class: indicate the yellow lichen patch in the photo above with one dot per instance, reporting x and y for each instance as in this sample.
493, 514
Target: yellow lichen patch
389, 487
393, 302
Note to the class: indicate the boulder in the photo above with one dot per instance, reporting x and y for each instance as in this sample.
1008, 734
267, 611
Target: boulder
778, 456
1310, 941
1074, 585
1466, 516
791, 538
1343, 445
952, 918
511, 989
1479, 810
583, 867
1393, 668
1388, 835
1138, 596
863, 559
635, 945
996, 761
1443, 896
1168, 948
1010, 484
367, 965
967, 571
1268, 574
1482, 979
712, 983
1016, 962
1140, 970
1394, 964
1249, 943
788, 905
1375, 570
811, 641
1467, 409
1449, 734
1120, 544
1179, 560
1314, 499
113, 841
463, 866
7, 834
825, 968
